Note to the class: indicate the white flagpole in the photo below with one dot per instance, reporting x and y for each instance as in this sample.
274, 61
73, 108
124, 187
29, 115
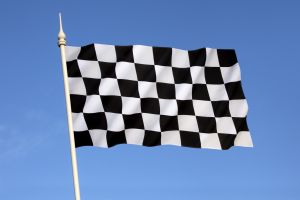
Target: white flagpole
62, 45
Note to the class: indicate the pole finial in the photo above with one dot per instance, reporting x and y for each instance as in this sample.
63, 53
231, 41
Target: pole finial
61, 34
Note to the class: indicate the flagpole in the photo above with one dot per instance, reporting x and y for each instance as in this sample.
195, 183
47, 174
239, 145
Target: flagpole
62, 45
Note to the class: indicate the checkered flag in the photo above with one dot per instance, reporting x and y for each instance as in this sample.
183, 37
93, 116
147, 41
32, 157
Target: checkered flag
156, 96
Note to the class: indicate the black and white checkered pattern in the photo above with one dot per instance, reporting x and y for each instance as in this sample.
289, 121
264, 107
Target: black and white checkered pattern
155, 96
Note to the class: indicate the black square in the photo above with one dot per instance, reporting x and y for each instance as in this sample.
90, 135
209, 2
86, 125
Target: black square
190, 139
133, 121
95, 120
182, 75
197, 57
185, 107
115, 138
77, 103
108, 70
152, 138
165, 90
162, 56
227, 57
88, 52
221, 108
240, 124
128, 88
73, 69
234, 90
91, 85
124, 53
168, 123
150, 105
82, 138
226, 140
213, 75
112, 104
145, 72
200, 92
207, 124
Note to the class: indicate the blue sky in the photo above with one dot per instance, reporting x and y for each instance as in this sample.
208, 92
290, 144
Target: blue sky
35, 162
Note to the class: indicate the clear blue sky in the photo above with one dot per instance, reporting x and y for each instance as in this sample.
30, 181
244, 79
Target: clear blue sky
35, 162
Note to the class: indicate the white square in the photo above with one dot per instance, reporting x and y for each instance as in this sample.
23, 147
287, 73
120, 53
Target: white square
151, 122
134, 136
170, 138
93, 104
198, 76
243, 139
188, 123
89, 69
99, 138
79, 123
168, 107
217, 92
77, 86
131, 105
115, 121
109, 86
210, 141
164, 74
180, 58
225, 125
183, 91
125, 70
212, 59
143, 54
203, 108
106, 53
238, 108
147, 89
72, 53
231, 74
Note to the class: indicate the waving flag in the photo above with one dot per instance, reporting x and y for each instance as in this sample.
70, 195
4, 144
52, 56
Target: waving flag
156, 96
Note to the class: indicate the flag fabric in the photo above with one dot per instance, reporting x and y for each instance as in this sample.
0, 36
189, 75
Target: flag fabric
154, 96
